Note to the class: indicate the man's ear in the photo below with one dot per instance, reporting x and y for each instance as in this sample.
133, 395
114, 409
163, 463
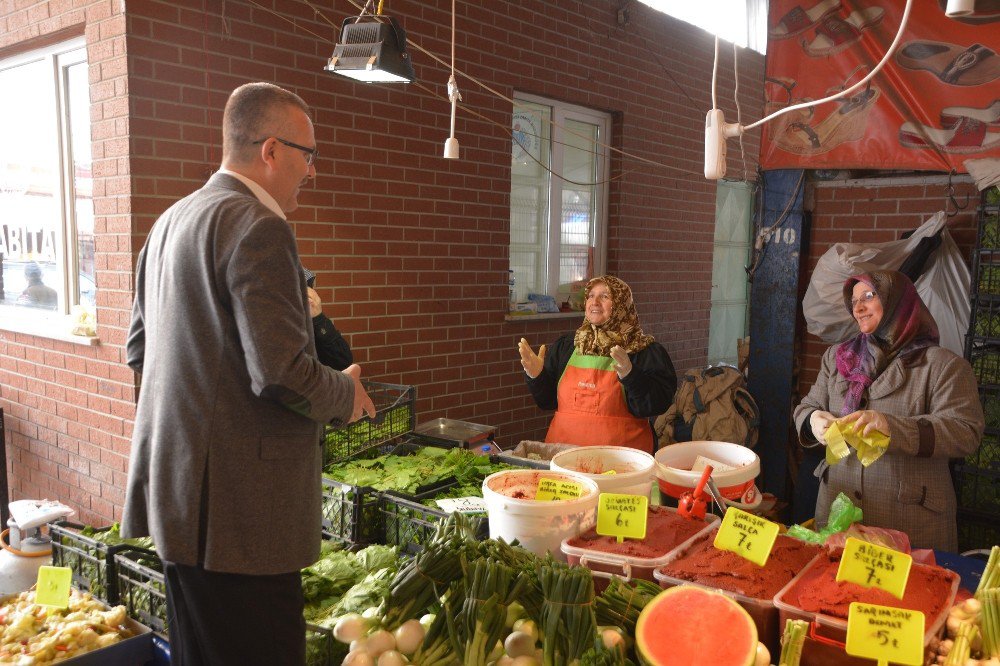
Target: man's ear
267, 152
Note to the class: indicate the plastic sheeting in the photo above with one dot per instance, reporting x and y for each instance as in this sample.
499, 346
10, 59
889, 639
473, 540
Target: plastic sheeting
943, 286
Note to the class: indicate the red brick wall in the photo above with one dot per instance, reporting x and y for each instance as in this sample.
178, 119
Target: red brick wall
69, 407
875, 211
410, 249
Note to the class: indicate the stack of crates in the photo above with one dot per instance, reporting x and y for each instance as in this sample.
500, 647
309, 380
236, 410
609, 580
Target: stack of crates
395, 415
90, 560
977, 477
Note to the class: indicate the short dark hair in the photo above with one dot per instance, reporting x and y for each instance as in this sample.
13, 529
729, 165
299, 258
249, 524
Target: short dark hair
252, 113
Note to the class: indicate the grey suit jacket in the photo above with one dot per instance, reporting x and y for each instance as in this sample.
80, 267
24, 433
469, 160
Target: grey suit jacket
225, 463
934, 414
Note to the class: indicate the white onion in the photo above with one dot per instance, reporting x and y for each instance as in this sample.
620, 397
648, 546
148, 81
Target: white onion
409, 636
380, 641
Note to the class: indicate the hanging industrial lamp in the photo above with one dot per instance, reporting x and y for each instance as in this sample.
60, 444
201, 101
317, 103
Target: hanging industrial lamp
372, 49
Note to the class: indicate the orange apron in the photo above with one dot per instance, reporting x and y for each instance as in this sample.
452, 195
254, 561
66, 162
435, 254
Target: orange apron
592, 409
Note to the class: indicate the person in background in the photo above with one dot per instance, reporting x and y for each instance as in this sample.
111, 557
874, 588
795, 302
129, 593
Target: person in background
331, 347
37, 294
607, 379
225, 468
894, 378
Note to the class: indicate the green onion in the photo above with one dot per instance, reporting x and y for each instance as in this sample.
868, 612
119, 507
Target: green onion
791, 642
991, 574
962, 646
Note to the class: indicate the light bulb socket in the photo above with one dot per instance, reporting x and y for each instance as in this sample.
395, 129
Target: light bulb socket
451, 149
959, 8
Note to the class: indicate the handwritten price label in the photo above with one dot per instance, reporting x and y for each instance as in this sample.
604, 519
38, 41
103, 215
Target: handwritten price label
554, 489
869, 565
52, 586
462, 505
885, 634
749, 536
622, 516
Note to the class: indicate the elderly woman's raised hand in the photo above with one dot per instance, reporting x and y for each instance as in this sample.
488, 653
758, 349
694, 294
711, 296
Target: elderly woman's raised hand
530, 361
819, 423
623, 365
867, 420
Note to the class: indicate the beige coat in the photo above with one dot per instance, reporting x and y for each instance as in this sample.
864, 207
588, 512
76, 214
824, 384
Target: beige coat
934, 414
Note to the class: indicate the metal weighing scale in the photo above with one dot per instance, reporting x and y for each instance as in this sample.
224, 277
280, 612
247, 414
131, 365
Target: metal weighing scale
464, 434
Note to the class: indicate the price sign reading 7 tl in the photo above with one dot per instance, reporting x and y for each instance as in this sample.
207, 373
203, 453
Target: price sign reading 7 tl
874, 566
747, 535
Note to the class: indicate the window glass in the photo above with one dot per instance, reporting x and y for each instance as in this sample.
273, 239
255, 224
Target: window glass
45, 183
558, 200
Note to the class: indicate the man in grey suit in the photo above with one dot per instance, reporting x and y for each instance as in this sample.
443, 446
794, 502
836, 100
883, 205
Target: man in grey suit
225, 463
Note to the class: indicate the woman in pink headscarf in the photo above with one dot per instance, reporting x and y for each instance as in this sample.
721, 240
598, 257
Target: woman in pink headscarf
894, 378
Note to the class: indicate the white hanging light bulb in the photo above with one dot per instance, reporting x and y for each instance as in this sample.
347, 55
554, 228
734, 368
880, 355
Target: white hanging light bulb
451, 149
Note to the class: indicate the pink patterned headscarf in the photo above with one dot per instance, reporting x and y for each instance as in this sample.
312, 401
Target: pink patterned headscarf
906, 326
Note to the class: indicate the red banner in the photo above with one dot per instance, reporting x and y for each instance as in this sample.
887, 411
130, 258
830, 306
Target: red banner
935, 103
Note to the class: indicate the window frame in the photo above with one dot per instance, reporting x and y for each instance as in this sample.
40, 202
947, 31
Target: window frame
561, 112
58, 59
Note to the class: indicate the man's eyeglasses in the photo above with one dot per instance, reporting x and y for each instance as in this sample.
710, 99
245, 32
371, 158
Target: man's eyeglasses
311, 153
866, 297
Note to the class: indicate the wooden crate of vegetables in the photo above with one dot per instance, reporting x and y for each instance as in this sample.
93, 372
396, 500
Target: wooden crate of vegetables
395, 415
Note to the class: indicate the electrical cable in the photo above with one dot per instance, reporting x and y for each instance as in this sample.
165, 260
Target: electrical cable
736, 99
760, 242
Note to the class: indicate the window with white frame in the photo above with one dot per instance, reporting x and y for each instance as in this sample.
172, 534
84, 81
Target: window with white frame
46, 184
558, 199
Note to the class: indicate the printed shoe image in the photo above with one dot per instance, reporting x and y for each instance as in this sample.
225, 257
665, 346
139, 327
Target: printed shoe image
835, 34
952, 63
847, 123
952, 115
798, 20
968, 136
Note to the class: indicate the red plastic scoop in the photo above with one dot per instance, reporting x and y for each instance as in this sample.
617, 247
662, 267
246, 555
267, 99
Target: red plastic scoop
692, 504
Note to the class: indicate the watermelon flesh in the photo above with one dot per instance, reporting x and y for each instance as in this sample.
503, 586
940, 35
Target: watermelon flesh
691, 626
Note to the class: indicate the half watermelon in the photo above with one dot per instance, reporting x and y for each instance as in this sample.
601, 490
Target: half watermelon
686, 625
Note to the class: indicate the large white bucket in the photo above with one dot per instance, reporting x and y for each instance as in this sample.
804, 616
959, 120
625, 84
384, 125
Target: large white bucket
539, 526
634, 469
674, 462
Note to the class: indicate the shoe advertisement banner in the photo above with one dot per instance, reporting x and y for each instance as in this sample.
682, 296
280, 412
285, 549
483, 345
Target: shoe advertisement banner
935, 103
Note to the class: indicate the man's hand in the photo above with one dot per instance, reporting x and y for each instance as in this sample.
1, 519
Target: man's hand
362, 402
623, 365
819, 423
315, 304
530, 361
867, 420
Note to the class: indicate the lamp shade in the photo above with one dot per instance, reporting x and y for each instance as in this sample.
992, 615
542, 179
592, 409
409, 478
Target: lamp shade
373, 51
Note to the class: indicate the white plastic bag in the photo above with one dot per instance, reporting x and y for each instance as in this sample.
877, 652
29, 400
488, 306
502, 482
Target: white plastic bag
943, 286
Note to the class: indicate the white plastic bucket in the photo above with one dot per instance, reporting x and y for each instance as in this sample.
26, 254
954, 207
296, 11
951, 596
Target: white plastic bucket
674, 475
634, 469
539, 526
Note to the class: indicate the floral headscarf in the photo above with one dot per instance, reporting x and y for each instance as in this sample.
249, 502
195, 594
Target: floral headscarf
906, 326
622, 327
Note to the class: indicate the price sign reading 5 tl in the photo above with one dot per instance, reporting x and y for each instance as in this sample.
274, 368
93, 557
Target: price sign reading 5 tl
747, 535
874, 566
885, 634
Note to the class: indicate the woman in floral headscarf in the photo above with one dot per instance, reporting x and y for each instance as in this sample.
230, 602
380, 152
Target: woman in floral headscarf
605, 380
893, 378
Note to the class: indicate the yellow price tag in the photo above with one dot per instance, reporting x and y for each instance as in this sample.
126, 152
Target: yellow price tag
52, 586
610, 472
869, 565
554, 489
885, 634
749, 536
622, 516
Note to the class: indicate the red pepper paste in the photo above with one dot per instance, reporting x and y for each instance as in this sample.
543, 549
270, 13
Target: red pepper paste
928, 590
705, 564
665, 530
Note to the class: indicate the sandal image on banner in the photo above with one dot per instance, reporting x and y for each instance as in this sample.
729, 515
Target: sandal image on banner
952, 63
773, 104
798, 20
952, 115
846, 124
968, 136
834, 34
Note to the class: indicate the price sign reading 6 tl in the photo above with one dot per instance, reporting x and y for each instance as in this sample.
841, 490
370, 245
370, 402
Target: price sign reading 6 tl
622, 516
747, 535
885, 634
874, 566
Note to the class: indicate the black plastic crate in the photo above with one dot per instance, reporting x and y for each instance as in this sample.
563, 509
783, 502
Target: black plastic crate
91, 561
989, 228
395, 415
986, 365
979, 487
144, 595
976, 533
